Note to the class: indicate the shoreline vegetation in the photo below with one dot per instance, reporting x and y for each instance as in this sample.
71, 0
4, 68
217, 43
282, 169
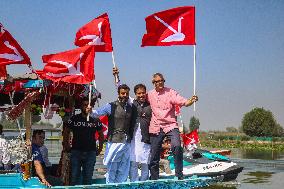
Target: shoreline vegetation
225, 140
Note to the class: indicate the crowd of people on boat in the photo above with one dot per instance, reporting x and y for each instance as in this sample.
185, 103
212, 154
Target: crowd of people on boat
137, 129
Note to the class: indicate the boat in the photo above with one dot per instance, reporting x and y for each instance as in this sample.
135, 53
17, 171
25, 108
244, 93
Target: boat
10, 179
205, 163
16, 181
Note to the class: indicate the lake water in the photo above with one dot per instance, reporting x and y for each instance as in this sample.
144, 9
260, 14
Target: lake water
262, 170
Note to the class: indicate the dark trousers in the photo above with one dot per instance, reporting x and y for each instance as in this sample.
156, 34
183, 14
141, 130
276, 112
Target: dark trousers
84, 160
156, 148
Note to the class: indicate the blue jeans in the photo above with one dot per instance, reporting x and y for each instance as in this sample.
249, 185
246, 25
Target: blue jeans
84, 160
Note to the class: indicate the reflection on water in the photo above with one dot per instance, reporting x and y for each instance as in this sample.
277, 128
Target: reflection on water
257, 154
258, 177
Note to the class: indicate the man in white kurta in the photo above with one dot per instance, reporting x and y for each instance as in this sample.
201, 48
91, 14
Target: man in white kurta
140, 144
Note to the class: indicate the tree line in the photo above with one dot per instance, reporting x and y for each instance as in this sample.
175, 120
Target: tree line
256, 123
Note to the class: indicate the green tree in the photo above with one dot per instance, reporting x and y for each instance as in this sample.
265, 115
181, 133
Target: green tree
278, 131
260, 122
193, 123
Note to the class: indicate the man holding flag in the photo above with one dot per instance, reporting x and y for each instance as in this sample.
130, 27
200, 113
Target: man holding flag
120, 132
164, 124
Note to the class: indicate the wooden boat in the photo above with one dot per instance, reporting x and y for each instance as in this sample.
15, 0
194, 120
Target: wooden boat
16, 181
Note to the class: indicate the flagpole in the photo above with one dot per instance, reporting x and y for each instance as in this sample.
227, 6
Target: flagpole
95, 86
114, 65
90, 97
194, 73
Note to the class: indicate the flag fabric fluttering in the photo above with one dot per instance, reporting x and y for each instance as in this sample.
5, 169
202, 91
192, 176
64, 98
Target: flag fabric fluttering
73, 66
104, 120
190, 138
3, 72
10, 50
97, 32
170, 27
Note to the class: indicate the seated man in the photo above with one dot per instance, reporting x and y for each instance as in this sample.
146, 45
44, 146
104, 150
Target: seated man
44, 153
164, 162
39, 168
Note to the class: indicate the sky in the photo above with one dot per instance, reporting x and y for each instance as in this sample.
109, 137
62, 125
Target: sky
239, 51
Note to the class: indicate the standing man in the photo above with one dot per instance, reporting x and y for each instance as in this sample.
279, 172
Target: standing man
120, 131
140, 144
84, 148
163, 123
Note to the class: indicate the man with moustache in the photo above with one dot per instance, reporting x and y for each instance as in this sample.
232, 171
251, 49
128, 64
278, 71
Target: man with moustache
140, 144
120, 132
164, 124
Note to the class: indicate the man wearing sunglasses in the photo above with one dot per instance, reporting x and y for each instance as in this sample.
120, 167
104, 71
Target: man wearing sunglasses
164, 124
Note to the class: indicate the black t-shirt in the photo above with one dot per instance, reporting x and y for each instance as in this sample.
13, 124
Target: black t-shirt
84, 132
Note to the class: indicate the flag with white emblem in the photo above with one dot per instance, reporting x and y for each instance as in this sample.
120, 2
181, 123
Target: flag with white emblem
97, 32
73, 66
10, 51
190, 138
170, 27
3, 72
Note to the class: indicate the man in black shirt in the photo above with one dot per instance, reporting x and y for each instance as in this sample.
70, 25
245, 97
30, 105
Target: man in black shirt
84, 149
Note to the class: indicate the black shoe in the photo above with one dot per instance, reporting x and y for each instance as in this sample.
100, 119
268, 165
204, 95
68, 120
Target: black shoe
180, 178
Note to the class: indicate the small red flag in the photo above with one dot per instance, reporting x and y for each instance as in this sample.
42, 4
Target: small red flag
10, 51
190, 138
104, 120
177, 110
170, 27
97, 33
73, 66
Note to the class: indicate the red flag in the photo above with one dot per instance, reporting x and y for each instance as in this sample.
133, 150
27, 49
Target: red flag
170, 27
177, 110
73, 66
10, 51
3, 72
190, 138
97, 33
104, 120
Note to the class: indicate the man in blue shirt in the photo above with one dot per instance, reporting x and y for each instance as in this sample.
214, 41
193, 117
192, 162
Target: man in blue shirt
39, 168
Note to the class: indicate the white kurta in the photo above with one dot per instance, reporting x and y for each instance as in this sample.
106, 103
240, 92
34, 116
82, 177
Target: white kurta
140, 151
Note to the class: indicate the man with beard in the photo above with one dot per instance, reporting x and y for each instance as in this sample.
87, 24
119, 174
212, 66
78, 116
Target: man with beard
120, 131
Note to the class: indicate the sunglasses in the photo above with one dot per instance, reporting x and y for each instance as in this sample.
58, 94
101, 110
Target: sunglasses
158, 81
